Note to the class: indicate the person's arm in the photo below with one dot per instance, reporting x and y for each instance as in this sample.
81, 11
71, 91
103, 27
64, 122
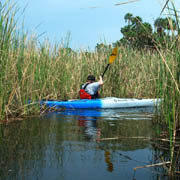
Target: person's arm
100, 81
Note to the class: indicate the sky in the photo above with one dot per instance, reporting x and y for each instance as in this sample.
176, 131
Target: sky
84, 22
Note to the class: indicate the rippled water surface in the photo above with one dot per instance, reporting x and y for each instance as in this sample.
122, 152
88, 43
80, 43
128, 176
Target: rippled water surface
81, 145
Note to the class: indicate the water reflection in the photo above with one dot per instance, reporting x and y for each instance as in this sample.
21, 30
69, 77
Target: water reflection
79, 145
89, 128
110, 113
110, 166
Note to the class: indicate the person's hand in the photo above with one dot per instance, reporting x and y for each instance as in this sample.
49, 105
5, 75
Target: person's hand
101, 80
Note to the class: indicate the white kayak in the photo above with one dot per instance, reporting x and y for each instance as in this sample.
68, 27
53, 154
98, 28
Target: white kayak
103, 103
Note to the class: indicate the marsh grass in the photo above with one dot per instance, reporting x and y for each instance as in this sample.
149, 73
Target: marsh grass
171, 105
169, 88
31, 71
34, 74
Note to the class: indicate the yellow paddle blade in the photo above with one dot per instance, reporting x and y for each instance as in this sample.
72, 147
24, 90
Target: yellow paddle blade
113, 55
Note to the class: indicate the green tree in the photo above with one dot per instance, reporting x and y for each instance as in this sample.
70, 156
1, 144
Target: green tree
128, 18
102, 47
136, 34
164, 25
163, 29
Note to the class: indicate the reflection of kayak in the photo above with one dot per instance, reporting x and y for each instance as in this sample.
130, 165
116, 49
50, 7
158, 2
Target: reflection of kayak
104, 103
140, 113
110, 113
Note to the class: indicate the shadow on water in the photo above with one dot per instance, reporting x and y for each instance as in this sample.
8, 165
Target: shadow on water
81, 144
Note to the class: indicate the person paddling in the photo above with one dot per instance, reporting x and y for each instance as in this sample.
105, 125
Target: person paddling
90, 89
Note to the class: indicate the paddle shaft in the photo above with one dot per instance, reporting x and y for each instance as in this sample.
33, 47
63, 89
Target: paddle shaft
105, 70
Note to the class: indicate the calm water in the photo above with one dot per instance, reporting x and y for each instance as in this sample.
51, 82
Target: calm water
80, 145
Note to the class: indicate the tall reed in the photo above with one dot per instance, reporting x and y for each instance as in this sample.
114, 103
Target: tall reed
169, 88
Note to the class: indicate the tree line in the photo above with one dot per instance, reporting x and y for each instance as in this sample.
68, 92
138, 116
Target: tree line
140, 35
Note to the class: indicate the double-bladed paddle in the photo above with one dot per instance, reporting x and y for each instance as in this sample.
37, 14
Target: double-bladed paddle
111, 59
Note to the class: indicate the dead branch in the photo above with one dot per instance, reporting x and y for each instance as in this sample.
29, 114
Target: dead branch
152, 165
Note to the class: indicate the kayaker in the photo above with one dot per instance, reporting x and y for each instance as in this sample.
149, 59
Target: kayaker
89, 90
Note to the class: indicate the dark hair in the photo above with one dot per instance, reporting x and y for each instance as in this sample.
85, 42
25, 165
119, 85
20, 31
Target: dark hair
91, 78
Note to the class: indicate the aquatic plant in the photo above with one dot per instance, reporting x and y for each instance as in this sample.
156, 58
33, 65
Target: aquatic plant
169, 87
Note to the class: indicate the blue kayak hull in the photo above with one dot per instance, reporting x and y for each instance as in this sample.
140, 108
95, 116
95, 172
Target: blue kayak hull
104, 103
